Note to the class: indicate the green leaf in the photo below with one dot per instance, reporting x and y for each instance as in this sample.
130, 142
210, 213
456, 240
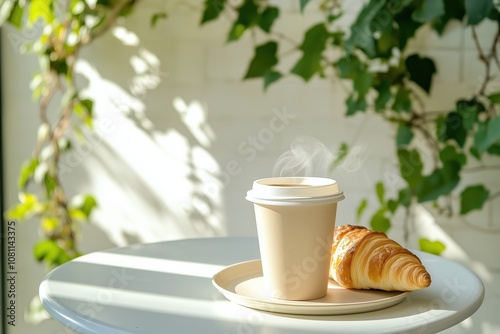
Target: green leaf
84, 109
126, 11
342, 153
453, 9
248, 16
307, 66
337, 38
477, 10
380, 190
410, 167
404, 135
18, 211
27, 170
212, 10
48, 251
449, 153
421, 70
156, 17
355, 105
105, 3
454, 128
475, 153
386, 42
494, 98
89, 203
469, 110
404, 197
361, 208
88, 105
407, 27
59, 66
349, 66
267, 18
428, 11
487, 134
369, 47
50, 185
494, 149
362, 83
312, 47
64, 145
271, 77
441, 128
28, 206
402, 100
392, 205
440, 182
481, 139
432, 247
49, 224
473, 198
16, 16
77, 214
315, 39
380, 222
263, 61
361, 34
494, 15
384, 94
236, 32
303, 4
41, 9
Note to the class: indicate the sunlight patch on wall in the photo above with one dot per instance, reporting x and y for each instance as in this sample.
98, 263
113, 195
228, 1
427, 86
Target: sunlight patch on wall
193, 115
127, 37
147, 72
427, 227
149, 181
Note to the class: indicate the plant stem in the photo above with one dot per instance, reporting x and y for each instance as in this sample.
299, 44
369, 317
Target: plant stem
494, 196
406, 223
431, 142
63, 82
493, 52
110, 20
487, 60
481, 168
484, 59
286, 38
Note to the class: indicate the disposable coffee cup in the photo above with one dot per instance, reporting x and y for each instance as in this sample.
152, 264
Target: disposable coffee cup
295, 219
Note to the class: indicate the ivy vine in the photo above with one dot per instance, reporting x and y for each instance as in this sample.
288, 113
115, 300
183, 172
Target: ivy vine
64, 28
386, 78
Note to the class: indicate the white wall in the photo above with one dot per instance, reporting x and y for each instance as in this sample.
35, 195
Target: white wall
163, 170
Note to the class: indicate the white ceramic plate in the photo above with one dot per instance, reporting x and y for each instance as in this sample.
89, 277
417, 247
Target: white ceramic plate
243, 284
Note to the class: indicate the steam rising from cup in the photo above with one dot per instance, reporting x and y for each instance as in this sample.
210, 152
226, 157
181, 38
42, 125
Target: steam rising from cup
310, 157
307, 157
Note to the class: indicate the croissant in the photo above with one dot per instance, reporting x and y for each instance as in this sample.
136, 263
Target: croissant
365, 259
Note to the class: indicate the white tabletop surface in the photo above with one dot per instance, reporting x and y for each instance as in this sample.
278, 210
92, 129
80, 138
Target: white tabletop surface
167, 287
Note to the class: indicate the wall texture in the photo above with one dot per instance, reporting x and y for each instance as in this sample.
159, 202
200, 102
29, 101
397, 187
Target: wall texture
180, 138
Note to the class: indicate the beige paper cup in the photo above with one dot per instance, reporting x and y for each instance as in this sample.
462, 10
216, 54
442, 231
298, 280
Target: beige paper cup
295, 219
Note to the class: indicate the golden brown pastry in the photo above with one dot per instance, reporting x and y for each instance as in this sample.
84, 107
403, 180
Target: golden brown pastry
365, 259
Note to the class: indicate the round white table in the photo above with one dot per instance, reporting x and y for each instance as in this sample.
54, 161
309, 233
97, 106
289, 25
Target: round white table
167, 287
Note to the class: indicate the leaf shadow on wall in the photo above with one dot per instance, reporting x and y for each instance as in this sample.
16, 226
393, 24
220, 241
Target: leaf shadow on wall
153, 180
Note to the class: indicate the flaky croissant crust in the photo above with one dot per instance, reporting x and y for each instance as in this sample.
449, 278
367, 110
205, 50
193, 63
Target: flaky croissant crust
365, 259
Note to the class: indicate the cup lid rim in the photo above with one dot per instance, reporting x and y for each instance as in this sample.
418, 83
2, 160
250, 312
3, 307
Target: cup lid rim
291, 201
308, 181
295, 189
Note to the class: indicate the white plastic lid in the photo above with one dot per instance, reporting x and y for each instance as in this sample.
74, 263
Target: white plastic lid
295, 191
